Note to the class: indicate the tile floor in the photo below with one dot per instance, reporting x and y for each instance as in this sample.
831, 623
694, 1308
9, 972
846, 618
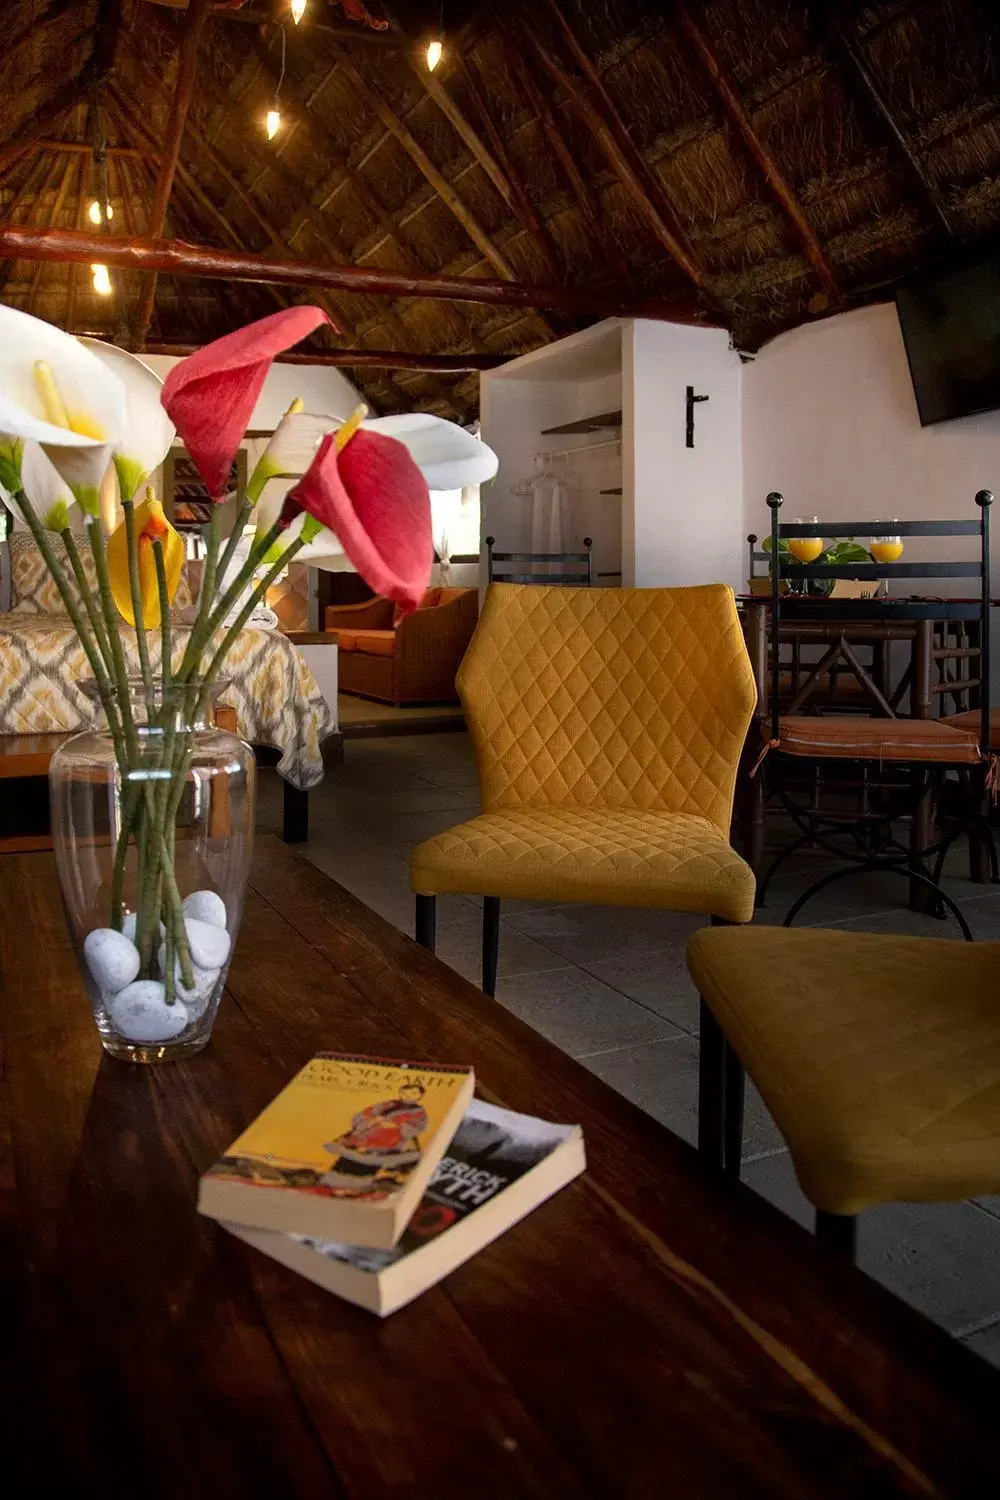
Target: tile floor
611, 987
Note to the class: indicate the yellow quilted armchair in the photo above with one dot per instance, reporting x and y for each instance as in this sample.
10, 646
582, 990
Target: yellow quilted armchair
877, 1055
607, 726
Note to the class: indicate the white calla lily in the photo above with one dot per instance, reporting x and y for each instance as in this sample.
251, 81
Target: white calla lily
51, 497
55, 392
148, 432
448, 457
290, 449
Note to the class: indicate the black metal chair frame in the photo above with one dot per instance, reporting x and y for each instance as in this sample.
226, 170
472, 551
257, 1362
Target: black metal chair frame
816, 828
582, 577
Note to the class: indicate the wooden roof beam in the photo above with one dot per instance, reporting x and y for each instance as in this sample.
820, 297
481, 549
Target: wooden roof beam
316, 214
187, 65
207, 205
178, 258
739, 118
644, 172
82, 148
31, 30
387, 40
67, 168
422, 161
383, 359
589, 204
618, 162
40, 123
30, 185
530, 217
845, 43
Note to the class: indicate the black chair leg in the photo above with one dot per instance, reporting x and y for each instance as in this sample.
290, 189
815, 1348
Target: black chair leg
491, 942
839, 1231
734, 1095
712, 1048
295, 819
425, 925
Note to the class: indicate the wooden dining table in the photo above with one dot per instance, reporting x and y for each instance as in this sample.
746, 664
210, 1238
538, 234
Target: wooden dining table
651, 1331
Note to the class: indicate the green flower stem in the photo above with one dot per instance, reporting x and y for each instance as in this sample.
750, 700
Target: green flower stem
164, 595
244, 578
169, 974
86, 594
71, 606
95, 532
135, 589
244, 615
195, 643
243, 513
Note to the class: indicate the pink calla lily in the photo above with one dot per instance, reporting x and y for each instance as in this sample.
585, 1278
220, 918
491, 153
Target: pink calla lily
373, 496
210, 396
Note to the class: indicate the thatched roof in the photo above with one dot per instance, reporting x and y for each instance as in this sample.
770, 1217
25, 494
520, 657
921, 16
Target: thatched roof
763, 161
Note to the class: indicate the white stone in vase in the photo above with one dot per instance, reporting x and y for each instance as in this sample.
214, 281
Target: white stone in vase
205, 906
140, 1013
196, 999
112, 959
130, 922
209, 945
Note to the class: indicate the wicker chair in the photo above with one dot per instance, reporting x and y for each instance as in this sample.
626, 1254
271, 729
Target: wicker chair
413, 660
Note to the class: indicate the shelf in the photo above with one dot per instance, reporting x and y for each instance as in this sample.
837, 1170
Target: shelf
609, 492
584, 425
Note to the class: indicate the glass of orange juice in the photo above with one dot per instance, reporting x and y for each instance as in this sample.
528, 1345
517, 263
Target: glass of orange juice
806, 549
886, 549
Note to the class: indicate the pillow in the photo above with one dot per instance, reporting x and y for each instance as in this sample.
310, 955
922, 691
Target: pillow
33, 590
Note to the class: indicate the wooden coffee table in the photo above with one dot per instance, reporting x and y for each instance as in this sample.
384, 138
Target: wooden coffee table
649, 1332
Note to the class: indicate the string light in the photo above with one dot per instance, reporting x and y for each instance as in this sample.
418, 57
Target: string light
298, 10
435, 51
94, 212
272, 120
102, 280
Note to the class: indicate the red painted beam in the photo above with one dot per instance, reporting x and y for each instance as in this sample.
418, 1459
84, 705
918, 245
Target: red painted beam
386, 359
178, 258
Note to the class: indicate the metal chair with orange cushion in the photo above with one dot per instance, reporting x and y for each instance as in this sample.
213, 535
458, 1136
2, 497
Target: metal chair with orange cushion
905, 755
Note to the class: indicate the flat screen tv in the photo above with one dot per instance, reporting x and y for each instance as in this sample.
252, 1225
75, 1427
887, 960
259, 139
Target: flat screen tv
951, 329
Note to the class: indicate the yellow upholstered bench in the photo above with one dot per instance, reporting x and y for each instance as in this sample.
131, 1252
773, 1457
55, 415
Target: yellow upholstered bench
877, 1055
607, 726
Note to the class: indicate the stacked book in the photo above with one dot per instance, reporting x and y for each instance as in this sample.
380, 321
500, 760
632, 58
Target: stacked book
376, 1178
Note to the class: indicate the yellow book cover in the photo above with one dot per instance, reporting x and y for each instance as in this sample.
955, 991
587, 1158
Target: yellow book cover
344, 1152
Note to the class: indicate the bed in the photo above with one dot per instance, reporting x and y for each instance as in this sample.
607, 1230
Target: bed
267, 681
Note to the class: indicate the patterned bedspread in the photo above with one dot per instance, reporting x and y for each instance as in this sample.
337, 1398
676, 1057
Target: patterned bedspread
270, 686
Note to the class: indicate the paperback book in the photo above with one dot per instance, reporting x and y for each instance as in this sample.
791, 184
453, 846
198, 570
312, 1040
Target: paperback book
343, 1152
499, 1167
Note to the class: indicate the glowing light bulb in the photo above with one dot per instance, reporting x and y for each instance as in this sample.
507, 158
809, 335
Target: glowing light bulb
94, 212
102, 280
272, 122
434, 54
298, 10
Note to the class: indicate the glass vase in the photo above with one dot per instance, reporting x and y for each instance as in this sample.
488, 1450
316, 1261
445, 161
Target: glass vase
153, 835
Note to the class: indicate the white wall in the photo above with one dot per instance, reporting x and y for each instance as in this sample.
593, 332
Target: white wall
578, 377
683, 507
830, 420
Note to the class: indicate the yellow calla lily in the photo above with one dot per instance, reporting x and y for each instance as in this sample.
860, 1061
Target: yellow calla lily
150, 522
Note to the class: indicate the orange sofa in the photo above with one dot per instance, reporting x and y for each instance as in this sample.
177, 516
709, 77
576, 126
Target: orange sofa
409, 660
